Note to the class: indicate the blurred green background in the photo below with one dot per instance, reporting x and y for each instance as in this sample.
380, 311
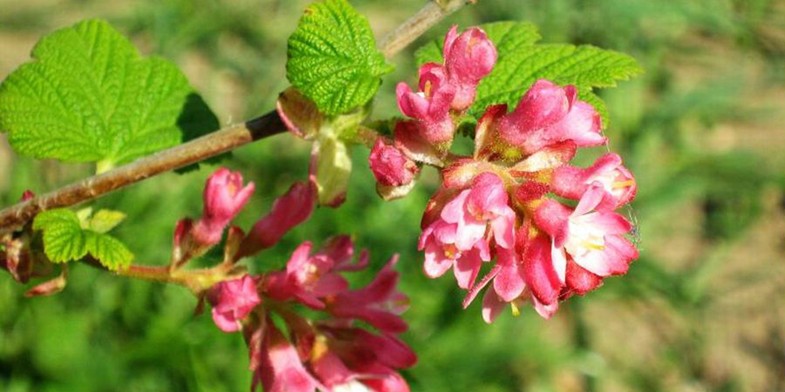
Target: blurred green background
703, 309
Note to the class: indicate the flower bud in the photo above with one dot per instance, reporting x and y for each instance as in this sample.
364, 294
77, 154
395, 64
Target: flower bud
468, 57
224, 197
390, 166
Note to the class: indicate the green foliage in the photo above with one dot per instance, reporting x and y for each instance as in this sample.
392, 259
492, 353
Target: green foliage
88, 96
521, 62
333, 58
68, 238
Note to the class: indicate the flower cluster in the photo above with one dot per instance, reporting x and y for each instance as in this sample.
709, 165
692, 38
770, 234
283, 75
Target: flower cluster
545, 229
332, 353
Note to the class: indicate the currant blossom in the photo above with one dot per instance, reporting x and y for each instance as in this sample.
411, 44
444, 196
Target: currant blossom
390, 166
549, 114
593, 239
608, 172
331, 353
379, 303
306, 279
352, 359
277, 364
232, 300
431, 105
458, 237
468, 58
224, 197
497, 205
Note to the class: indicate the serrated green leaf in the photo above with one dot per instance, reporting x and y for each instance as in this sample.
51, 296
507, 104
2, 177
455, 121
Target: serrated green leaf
112, 253
62, 235
88, 96
333, 58
521, 62
105, 220
65, 239
583, 66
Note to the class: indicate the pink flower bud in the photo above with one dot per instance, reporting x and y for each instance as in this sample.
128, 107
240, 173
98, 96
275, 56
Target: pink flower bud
232, 300
468, 57
27, 195
431, 106
390, 166
549, 114
287, 212
224, 197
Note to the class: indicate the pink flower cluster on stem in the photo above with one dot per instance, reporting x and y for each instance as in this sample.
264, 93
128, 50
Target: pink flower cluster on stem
444, 92
334, 352
496, 210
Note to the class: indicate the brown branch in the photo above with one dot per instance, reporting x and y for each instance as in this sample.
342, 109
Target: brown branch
185, 154
197, 150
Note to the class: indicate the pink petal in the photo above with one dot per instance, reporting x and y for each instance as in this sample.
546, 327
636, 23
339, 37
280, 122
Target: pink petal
553, 218
492, 306
581, 281
538, 271
611, 223
479, 286
509, 283
581, 125
546, 311
466, 268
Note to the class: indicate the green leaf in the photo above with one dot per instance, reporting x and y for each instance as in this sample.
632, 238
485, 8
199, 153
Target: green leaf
105, 220
66, 240
62, 235
87, 96
112, 253
333, 58
521, 62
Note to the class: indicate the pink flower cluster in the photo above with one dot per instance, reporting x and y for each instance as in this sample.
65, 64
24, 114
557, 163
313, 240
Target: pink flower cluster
545, 229
332, 353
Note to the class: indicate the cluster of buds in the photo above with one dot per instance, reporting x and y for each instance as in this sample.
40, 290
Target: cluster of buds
332, 353
546, 229
224, 197
298, 353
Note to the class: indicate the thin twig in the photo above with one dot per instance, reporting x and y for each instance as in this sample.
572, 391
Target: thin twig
218, 142
431, 14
